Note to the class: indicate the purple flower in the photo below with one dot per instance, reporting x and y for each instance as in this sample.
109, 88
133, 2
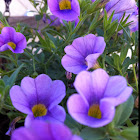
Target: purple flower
83, 53
67, 10
98, 96
39, 98
54, 21
10, 39
39, 130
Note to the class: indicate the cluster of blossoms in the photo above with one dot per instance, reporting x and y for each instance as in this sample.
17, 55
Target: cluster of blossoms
99, 93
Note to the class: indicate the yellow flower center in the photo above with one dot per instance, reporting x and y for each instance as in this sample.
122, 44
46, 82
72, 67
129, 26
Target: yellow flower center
39, 110
65, 4
94, 111
12, 45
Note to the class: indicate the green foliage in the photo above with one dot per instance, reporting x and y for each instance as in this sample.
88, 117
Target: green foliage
45, 50
123, 111
93, 133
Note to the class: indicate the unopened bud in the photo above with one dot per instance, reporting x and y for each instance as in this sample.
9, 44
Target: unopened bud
68, 75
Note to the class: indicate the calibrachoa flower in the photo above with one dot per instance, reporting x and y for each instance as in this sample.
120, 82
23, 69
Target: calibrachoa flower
83, 53
98, 96
67, 10
39, 130
39, 98
10, 39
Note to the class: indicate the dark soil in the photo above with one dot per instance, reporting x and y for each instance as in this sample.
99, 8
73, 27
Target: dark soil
4, 126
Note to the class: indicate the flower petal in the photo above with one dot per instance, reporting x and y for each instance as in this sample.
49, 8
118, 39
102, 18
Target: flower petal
80, 46
1, 40
20, 42
123, 96
92, 86
115, 85
75, 137
56, 93
99, 45
51, 131
73, 65
73, 52
23, 133
8, 34
91, 60
60, 132
29, 88
43, 85
78, 109
28, 120
19, 100
56, 114
68, 14
4, 47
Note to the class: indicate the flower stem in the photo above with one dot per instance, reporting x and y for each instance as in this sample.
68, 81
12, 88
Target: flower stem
134, 71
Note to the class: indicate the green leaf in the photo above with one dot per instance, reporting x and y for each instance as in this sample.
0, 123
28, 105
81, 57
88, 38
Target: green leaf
2, 84
93, 133
117, 138
123, 54
93, 7
105, 22
44, 43
72, 123
109, 60
10, 80
130, 133
110, 18
94, 22
2, 87
38, 17
123, 111
116, 60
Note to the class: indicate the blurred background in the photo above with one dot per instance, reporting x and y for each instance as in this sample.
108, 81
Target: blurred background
18, 7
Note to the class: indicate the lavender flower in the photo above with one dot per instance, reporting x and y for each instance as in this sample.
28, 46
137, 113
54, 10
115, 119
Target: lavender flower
83, 53
98, 96
12, 40
67, 10
39, 98
39, 130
